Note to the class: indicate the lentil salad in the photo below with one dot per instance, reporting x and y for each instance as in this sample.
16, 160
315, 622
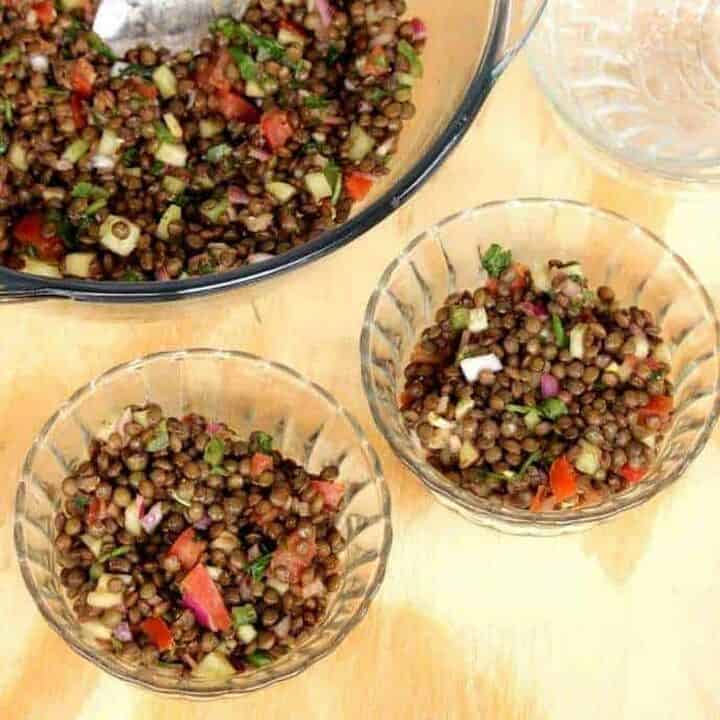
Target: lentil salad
182, 544
158, 166
535, 392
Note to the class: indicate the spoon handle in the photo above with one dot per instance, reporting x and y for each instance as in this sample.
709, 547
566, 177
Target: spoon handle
175, 24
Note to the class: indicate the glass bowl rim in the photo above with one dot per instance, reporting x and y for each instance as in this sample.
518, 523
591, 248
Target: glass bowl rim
97, 659
513, 518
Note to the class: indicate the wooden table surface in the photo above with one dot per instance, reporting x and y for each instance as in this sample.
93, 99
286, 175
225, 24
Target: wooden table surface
619, 623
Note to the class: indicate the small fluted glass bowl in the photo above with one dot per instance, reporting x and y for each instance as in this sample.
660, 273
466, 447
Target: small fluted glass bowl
613, 251
248, 393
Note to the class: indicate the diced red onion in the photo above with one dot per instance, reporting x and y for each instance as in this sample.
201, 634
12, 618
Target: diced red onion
122, 632
212, 427
152, 518
39, 62
282, 629
238, 196
259, 154
365, 106
203, 523
333, 120
162, 273
549, 385
325, 12
350, 85
63, 165
571, 288
534, 310
259, 257
201, 614
118, 68
419, 29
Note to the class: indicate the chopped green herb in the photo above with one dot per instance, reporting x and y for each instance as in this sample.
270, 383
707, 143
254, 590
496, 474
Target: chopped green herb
520, 409
81, 501
31, 250
219, 470
73, 30
553, 408
4, 144
130, 157
246, 65
256, 569
160, 439
244, 615
310, 148
259, 658
162, 133
158, 167
264, 442
496, 260
217, 152
132, 276
96, 570
96, 43
88, 190
531, 459
95, 207
181, 200
11, 56
6, 108
333, 175
333, 55
377, 94
64, 228
214, 452
117, 552
654, 375
408, 52
314, 102
561, 338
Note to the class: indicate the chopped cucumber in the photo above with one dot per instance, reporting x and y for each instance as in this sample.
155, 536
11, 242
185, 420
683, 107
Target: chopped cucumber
173, 126
171, 215
288, 37
110, 143
18, 157
119, 235
281, 191
214, 666
79, 264
318, 185
404, 79
173, 185
246, 633
172, 154
166, 81
76, 150
38, 267
210, 128
360, 143
253, 89
213, 210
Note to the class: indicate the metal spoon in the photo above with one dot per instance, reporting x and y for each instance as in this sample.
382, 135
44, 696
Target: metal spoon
175, 24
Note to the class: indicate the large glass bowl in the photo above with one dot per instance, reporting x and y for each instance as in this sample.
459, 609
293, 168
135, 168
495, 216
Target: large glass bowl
468, 47
613, 251
248, 393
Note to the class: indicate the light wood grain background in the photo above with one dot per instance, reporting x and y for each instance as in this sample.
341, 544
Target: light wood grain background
621, 623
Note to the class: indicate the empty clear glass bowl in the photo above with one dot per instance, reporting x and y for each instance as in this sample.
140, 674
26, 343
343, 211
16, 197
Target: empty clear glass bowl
248, 393
640, 80
613, 251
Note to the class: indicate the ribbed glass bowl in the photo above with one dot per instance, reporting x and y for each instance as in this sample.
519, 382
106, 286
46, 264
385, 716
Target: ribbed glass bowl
613, 251
248, 393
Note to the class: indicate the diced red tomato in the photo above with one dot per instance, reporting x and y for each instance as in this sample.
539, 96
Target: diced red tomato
83, 77
563, 479
30, 232
158, 632
97, 510
259, 463
537, 501
212, 76
45, 12
376, 63
202, 596
295, 557
521, 272
144, 89
332, 493
276, 128
358, 185
187, 548
652, 363
660, 406
236, 107
633, 475
78, 111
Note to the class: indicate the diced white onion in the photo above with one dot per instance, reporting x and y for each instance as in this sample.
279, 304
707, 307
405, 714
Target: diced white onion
577, 341
118, 68
102, 162
478, 320
661, 353
642, 346
472, 367
439, 422
39, 62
